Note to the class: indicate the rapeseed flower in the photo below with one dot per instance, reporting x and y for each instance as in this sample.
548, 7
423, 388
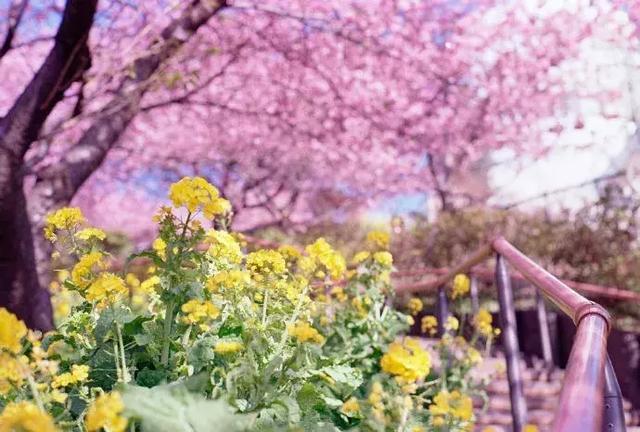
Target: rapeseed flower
461, 286
195, 193
25, 417
106, 289
12, 330
66, 218
304, 333
223, 246
414, 305
105, 413
406, 360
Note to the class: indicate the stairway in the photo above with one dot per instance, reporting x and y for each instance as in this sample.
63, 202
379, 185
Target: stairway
541, 389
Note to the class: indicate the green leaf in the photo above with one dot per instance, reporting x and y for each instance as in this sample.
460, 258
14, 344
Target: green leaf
150, 378
201, 354
346, 378
173, 409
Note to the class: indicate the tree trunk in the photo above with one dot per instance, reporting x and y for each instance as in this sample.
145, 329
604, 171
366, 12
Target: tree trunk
67, 60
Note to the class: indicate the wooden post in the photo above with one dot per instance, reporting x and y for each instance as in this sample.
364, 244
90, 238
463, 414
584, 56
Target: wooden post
443, 309
543, 325
475, 301
510, 342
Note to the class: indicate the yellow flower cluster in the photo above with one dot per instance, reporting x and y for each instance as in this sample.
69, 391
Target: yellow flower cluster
376, 400
196, 193
429, 325
67, 218
451, 324
384, 259
378, 240
25, 417
453, 405
483, 321
228, 347
266, 262
407, 361
461, 286
304, 333
160, 246
105, 413
350, 407
322, 253
223, 246
90, 233
106, 289
199, 312
82, 272
414, 305
12, 330
289, 253
79, 373
233, 280
12, 371
360, 257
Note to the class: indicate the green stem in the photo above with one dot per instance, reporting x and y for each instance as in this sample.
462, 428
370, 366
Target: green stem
292, 319
34, 391
125, 372
116, 357
168, 321
264, 306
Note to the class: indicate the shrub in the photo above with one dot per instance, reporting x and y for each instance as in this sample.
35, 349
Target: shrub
214, 338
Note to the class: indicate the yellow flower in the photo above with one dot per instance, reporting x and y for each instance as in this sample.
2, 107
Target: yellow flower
360, 257
228, 347
106, 289
378, 239
429, 325
12, 372
407, 360
12, 330
530, 428
266, 262
414, 305
160, 246
223, 246
91, 233
321, 252
148, 285
289, 253
350, 407
451, 324
461, 285
473, 356
303, 332
105, 412
454, 404
25, 417
67, 218
482, 321
234, 280
196, 193
199, 312
58, 396
79, 373
339, 294
384, 258
82, 272
132, 280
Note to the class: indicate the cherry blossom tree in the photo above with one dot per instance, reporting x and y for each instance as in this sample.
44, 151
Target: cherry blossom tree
296, 109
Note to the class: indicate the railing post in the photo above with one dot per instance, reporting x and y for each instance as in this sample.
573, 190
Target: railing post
443, 309
613, 418
475, 301
543, 324
510, 342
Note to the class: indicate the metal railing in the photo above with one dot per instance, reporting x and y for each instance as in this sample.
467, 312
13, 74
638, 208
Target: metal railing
590, 400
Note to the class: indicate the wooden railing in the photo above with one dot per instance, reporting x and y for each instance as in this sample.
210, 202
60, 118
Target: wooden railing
590, 400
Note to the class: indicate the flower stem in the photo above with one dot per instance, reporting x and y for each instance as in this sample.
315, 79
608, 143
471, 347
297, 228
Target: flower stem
168, 321
34, 391
125, 372
264, 307
116, 356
